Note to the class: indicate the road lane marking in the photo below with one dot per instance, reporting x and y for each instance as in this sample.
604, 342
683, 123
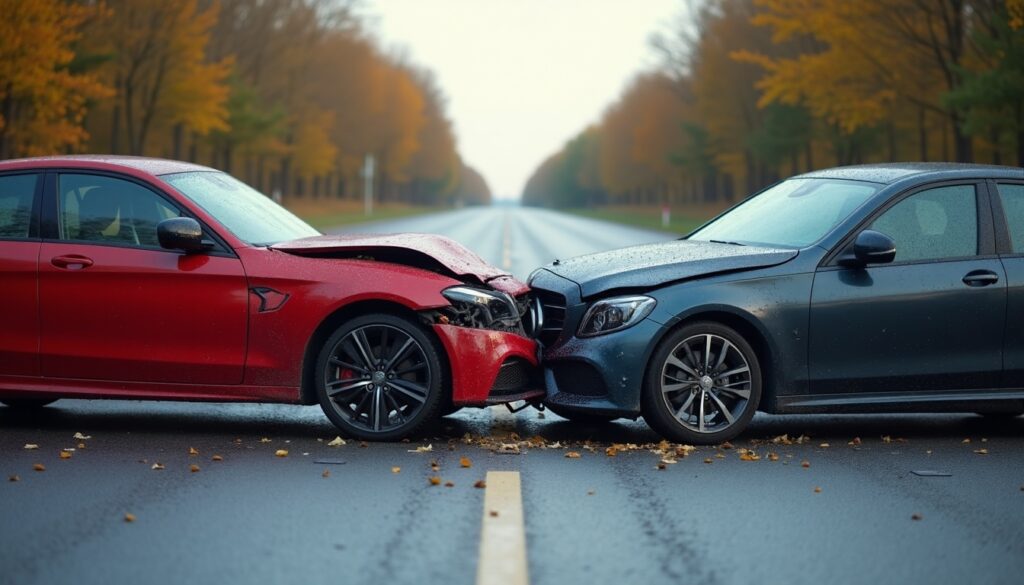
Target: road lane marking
503, 536
506, 242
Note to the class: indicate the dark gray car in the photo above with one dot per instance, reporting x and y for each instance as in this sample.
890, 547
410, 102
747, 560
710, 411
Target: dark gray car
875, 288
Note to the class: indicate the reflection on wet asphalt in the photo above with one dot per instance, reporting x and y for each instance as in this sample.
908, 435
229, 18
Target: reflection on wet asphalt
257, 518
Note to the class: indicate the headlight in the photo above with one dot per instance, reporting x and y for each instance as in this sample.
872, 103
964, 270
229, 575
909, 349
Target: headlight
615, 314
487, 307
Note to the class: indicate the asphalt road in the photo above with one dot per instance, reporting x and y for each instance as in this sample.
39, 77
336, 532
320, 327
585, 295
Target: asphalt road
856, 513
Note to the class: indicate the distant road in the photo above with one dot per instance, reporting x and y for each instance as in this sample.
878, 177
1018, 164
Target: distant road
518, 239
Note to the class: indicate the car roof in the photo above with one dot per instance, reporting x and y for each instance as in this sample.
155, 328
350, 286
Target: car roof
145, 165
889, 173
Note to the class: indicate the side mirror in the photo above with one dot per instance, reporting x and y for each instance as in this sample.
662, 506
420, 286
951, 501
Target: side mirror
181, 233
870, 247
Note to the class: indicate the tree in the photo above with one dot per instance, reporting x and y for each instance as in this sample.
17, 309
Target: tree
42, 101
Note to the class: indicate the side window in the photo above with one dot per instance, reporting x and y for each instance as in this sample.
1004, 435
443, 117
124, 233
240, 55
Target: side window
1012, 198
16, 195
933, 224
95, 208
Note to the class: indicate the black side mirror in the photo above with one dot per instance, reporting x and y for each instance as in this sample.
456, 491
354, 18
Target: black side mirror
870, 247
182, 233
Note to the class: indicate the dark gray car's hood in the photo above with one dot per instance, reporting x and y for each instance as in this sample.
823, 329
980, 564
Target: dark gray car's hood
652, 265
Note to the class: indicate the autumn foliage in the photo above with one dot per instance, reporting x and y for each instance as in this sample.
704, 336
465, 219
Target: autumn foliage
289, 95
754, 90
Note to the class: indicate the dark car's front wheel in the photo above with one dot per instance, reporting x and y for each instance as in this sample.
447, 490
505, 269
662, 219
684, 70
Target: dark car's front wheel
379, 377
703, 384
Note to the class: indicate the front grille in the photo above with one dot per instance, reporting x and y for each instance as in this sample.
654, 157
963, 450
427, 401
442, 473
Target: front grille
552, 319
515, 376
578, 378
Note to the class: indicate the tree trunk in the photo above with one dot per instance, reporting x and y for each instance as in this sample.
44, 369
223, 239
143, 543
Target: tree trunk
963, 146
177, 137
922, 134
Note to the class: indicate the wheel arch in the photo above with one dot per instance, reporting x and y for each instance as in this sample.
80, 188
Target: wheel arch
330, 324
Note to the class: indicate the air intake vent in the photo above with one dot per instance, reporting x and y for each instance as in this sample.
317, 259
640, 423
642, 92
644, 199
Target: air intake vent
552, 306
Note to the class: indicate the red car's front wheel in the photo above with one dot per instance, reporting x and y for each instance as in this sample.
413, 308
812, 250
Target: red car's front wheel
379, 377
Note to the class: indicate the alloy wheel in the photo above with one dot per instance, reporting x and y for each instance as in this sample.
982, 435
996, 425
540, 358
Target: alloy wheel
706, 383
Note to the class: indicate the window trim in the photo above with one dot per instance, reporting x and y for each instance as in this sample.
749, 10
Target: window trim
985, 230
1004, 242
51, 214
34, 210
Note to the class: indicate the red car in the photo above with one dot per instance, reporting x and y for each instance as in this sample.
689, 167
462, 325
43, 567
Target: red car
144, 278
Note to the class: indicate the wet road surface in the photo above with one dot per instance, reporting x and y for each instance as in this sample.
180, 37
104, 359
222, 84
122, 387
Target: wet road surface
856, 513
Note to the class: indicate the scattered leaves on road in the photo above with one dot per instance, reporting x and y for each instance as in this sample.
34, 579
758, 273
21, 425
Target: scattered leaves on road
193, 451
966, 441
854, 442
435, 480
708, 460
981, 451
772, 456
31, 446
465, 462
336, 442
805, 463
16, 478
326, 473
81, 437
725, 445
824, 445
817, 490
423, 449
573, 455
193, 468
449, 484
216, 458
481, 484
64, 454
281, 453
264, 439
39, 467
157, 467
747, 455
493, 513
508, 449
129, 517
916, 517
396, 469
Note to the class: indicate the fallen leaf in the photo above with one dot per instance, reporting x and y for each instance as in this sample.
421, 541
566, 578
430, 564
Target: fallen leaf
916, 516
493, 513
193, 468
886, 439
508, 449
981, 451
81, 437
435, 480
855, 441
281, 453
782, 440
264, 440
65, 455
481, 484
805, 463
708, 460
363, 445
611, 451
746, 455
824, 445
336, 442
661, 465
193, 451
157, 466
16, 478
216, 458
129, 517
465, 462
725, 445
573, 455
449, 484
81, 445
965, 441
719, 455
39, 467
421, 449
773, 456
592, 492
434, 465
684, 450
817, 490
30, 446
326, 473
396, 470
984, 440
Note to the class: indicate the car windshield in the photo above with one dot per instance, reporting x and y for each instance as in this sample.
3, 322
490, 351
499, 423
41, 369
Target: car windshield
792, 214
252, 216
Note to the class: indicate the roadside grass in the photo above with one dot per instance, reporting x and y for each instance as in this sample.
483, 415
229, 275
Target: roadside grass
332, 213
683, 220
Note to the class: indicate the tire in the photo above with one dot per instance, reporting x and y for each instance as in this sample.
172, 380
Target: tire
582, 417
28, 403
680, 380
380, 377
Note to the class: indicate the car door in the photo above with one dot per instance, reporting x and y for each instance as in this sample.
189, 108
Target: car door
19, 255
116, 306
1008, 204
931, 320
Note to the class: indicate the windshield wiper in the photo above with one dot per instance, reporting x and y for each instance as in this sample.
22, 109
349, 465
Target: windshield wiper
725, 242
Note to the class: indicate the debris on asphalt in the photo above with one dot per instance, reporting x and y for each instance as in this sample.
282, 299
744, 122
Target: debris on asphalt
396, 469
611, 451
465, 462
39, 467
129, 517
449, 484
157, 466
81, 437
824, 445
573, 455
930, 473
30, 446
592, 492
817, 490
805, 463
981, 451
216, 458
193, 468
493, 513
65, 454
854, 442
966, 441
422, 449
661, 465
886, 439
16, 478
481, 484
726, 445
508, 449
708, 460
193, 451
264, 439
748, 455
336, 442
326, 473
916, 517
81, 445
281, 453
772, 456
363, 445
434, 480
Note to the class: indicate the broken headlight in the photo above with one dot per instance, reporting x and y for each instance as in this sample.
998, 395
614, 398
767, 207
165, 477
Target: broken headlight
485, 309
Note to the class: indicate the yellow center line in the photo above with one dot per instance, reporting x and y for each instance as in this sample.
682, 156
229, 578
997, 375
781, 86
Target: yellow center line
503, 537
506, 243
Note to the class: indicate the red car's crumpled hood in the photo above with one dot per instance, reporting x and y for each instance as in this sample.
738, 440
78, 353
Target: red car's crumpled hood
445, 252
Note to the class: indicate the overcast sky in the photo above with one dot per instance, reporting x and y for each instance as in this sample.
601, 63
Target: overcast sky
523, 76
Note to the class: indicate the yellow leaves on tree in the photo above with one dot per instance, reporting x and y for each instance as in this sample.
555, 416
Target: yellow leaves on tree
313, 150
42, 102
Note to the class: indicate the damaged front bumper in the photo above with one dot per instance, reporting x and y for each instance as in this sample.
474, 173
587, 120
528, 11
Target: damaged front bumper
490, 367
